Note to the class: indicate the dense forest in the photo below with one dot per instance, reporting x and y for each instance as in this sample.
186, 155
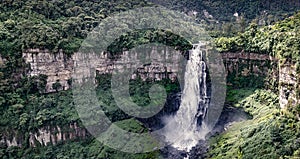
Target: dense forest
263, 27
279, 40
63, 24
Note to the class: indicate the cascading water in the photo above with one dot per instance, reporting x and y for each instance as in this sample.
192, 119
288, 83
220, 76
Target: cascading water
187, 126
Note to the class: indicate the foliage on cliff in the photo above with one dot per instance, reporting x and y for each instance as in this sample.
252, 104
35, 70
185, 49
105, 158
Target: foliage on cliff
279, 40
227, 18
145, 36
224, 10
53, 25
62, 24
26, 110
72, 150
271, 133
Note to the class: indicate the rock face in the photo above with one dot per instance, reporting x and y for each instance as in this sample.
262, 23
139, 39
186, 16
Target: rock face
164, 64
1, 61
289, 84
58, 67
54, 135
245, 64
156, 63
283, 77
44, 136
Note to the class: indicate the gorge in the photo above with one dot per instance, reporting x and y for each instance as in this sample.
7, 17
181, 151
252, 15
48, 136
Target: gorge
42, 65
58, 68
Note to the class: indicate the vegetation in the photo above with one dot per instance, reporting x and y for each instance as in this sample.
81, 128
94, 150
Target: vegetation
73, 149
224, 10
27, 114
24, 108
271, 133
279, 40
62, 24
139, 92
146, 36
32, 111
220, 19
53, 24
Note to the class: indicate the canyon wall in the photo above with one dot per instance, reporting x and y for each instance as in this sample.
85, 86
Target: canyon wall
251, 70
44, 136
156, 63
57, 66
289, 85
164, 63
282, 77
246, 64
60, 67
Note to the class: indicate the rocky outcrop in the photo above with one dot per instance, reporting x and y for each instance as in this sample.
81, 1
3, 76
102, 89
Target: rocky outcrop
61, 68
165, 64
10, 142
157, 63
245, 63
48, 135
260, 66
288, 85
1, 61
57, 66
54, 135
284, 76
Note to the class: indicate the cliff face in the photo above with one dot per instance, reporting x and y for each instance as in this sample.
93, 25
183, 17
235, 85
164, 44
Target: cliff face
47, 135
282, 78
157, 64
164, 64
250, 64
60, 68
1, 61
289, 84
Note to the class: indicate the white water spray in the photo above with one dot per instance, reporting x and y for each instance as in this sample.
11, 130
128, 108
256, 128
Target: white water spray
187, 126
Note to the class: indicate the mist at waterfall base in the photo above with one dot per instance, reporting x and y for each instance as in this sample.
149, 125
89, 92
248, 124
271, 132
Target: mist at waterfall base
185, 128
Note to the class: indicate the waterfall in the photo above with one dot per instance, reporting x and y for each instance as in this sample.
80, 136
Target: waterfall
187, 126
